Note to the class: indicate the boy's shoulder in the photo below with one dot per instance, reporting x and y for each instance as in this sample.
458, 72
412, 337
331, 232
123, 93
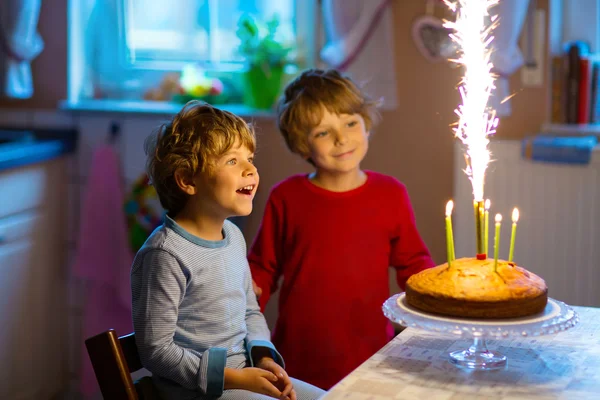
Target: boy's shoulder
289, 185
299, 182
383, 179
233, 231
386, 183
165, 240
157, 240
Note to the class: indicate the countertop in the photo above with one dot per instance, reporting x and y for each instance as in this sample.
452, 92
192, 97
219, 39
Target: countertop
21, 147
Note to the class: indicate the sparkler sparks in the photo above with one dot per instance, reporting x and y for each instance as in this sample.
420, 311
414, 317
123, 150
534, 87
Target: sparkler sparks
477, 121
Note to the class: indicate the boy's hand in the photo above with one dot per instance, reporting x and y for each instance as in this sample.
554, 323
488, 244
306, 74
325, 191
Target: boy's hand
284, 384
257, 290
256, 380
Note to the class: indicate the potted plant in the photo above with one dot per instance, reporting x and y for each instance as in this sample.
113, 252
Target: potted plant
266, 58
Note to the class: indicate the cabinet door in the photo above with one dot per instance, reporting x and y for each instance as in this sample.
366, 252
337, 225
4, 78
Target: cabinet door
24, 188
16, 334
32, 283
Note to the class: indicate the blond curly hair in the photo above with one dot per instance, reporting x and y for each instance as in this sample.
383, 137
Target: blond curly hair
192, 141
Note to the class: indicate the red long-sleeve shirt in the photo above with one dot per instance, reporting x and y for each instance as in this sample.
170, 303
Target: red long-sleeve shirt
333, 250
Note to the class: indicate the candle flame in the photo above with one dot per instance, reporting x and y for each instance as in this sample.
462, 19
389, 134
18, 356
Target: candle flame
477, 121
515, 215
498, 218
488, 203
449, 207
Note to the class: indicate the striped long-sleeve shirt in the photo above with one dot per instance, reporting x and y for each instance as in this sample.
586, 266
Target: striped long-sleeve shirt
194, 311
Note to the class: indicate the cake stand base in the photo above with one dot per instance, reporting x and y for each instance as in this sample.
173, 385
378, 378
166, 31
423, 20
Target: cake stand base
556, 317
478, 357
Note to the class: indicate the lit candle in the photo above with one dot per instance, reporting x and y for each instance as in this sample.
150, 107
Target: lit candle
497, 241
449, 234
515, 219
486, 227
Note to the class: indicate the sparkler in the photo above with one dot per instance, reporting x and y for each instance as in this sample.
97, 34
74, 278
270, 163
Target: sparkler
476, 119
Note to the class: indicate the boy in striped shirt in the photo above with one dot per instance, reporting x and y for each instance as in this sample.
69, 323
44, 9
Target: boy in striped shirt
198, 326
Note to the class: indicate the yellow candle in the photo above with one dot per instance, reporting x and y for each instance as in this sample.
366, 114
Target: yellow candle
497, 241
515, 219
486, 227
449, 234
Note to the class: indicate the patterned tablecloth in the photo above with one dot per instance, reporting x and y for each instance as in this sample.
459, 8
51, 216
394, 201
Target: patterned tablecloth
414, 365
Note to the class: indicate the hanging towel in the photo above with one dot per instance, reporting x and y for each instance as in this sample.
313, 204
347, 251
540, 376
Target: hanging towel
506, 55
103, 258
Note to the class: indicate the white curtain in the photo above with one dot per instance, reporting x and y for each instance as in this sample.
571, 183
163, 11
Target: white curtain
20, 43
507, 57
360, 43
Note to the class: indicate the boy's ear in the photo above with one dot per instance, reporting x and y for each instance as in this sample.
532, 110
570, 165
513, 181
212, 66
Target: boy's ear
306, 157
185, 181
309, 160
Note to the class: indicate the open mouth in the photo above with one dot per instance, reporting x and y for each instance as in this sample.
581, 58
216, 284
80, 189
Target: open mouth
247, 190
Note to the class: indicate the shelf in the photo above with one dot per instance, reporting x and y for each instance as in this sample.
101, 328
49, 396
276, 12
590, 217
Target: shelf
572, 129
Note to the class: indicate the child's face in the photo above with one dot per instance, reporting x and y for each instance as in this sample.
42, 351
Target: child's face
231, 186
339, 143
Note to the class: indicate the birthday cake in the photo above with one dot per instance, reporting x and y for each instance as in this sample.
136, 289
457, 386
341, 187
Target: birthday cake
472, 288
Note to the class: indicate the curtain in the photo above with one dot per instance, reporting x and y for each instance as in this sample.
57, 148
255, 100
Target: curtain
507, 57
20, 43
359, 32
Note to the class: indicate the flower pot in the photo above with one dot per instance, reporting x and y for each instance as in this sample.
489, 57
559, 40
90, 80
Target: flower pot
262, 85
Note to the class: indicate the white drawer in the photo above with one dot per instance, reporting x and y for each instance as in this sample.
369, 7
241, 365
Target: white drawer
20, 226
22, 189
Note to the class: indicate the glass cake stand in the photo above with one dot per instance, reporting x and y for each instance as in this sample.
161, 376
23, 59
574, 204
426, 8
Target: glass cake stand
556, 317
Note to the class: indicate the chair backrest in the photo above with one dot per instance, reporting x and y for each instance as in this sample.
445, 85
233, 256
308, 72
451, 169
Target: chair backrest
114, 359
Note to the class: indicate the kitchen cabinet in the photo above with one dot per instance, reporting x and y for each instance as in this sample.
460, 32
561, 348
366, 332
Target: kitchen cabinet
33, 300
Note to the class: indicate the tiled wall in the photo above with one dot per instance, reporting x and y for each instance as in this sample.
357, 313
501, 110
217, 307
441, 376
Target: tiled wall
93, 131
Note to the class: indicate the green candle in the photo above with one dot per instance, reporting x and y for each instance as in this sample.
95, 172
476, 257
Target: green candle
497, 241
449, 234
515, 219
486, 227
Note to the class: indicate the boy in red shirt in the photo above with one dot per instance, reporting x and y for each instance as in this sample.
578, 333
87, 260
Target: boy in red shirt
332, 235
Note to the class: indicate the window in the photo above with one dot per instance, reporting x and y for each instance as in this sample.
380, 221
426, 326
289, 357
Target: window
165, 33
122, 49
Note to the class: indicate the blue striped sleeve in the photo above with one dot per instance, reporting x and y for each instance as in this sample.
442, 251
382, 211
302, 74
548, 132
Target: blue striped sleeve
264, 343
258, 332
159, 285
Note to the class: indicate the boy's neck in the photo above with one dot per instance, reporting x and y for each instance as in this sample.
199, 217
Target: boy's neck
200, 224
338, 182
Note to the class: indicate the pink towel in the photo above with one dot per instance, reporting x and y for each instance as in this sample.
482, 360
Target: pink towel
103, 257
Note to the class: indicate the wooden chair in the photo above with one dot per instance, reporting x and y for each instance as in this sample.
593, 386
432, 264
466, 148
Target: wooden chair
114, 359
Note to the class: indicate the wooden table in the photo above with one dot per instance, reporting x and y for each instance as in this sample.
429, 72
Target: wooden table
414, 365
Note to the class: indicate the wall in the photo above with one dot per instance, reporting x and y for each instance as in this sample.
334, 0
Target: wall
50, 67
413, 143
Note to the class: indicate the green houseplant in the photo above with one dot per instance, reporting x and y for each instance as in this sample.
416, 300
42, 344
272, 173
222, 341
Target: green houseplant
266, 58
